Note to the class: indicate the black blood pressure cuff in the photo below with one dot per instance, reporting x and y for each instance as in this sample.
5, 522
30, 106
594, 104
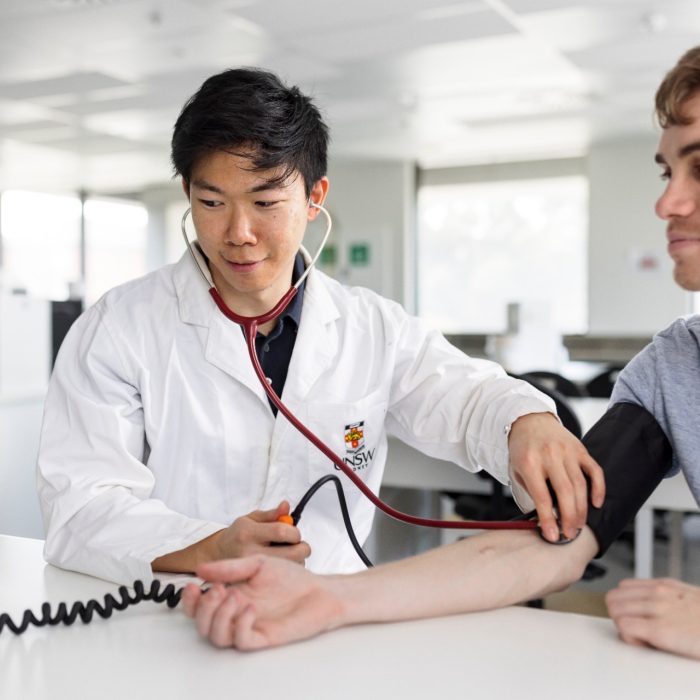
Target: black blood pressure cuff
635, 455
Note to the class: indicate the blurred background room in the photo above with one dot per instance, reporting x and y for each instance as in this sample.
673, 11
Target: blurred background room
492, 169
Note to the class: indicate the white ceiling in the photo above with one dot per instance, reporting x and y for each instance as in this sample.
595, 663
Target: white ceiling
89, 89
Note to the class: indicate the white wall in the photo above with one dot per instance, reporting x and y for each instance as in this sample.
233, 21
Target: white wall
25, 358
20, 424
162, 234
625, 299
373, 203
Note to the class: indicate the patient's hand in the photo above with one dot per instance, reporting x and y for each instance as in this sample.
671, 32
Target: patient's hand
661, 613
259, 601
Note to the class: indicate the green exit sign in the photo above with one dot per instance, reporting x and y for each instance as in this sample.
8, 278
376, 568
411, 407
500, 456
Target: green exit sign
328, 256
359, 254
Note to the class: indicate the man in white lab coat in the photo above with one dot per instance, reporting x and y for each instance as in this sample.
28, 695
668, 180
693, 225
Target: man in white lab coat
160, 449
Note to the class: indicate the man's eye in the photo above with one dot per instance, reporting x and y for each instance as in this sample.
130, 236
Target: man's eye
210, 203
265, 204
665, 174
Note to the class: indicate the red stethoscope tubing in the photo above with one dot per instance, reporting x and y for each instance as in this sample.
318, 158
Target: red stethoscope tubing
250, 328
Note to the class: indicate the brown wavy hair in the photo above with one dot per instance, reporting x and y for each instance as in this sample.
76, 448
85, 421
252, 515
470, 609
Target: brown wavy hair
680, 84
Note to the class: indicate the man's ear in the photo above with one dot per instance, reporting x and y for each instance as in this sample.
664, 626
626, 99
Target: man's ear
186, 188
317, 195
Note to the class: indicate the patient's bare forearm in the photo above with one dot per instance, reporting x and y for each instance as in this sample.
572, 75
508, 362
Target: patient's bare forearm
477, 573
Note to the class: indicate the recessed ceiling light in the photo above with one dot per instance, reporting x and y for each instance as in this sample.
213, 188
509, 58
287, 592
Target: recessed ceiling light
447, 11
654, 21
76, 4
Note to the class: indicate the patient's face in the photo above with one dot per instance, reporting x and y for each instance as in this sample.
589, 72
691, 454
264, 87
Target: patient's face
679, 205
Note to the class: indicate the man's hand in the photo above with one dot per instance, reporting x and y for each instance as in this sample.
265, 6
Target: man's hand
272, 602
255, 532
542, 450
662, 613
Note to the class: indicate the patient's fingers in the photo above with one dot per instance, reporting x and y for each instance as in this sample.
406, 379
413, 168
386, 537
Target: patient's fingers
222, 629
190, 599
207, 607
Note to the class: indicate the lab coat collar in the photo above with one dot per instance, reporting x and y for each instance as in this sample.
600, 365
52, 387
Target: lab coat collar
315, 350
316, 344
317, 338
194, 302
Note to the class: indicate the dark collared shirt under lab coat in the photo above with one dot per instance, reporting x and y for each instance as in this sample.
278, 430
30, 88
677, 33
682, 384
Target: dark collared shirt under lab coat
275, 350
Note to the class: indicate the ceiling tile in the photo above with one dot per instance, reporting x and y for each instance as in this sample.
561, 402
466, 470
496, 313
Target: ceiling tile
433, 80
89, 144
409, 34
58, 85
316, 17
530, 6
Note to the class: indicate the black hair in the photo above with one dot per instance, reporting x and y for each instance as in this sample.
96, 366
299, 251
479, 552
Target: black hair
252, 113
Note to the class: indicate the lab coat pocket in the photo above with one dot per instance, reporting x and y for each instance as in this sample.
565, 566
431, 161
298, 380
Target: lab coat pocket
354, 431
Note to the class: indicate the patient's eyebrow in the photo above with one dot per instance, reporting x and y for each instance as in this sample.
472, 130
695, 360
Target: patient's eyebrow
688, 149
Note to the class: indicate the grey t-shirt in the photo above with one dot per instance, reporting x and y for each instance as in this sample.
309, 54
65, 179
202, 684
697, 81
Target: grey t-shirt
664, 378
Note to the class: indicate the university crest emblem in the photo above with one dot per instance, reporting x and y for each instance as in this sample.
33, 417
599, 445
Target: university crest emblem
354, 437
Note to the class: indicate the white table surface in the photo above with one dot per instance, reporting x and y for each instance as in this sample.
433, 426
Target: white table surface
151, 652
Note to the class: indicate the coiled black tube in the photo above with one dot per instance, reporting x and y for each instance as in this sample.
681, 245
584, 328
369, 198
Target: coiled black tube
85, 611
296, 513
169, 594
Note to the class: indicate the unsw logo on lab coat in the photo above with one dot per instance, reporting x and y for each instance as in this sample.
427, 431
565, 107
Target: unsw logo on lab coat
356, 455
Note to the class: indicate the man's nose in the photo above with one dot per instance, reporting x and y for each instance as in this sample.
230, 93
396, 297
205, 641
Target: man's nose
240, 230
677, 200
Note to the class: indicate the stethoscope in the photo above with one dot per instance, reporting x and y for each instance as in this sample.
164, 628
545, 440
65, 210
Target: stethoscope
250, 325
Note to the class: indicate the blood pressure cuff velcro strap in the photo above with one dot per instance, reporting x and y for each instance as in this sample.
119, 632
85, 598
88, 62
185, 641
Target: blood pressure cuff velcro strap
635, 455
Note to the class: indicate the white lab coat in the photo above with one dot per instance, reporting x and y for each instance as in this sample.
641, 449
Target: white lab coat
157, 433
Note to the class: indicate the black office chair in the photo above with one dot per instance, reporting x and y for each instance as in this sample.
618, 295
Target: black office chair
568, 418
602, 385
63, 314
554, 381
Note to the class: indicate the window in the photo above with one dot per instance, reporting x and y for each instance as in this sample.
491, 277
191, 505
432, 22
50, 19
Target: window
40, 243
115, 245
484, 245
41, 248
174, 242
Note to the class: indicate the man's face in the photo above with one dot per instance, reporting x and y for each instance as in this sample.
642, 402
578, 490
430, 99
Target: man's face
249, 229
679, 205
